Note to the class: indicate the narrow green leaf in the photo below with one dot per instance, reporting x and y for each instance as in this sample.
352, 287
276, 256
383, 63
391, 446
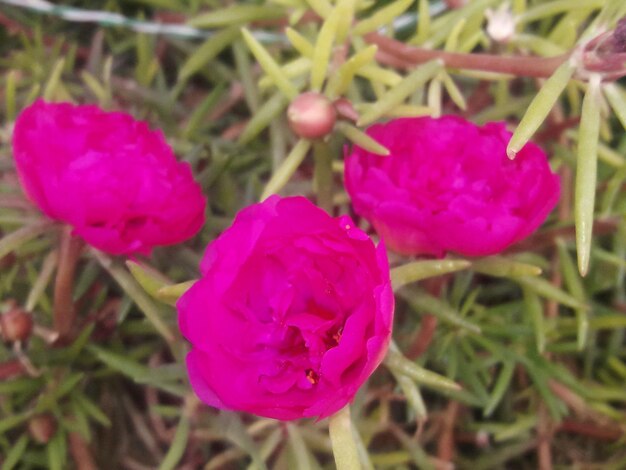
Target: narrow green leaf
15, 453
14, 240
396, 361
377, 74
346, 17
550, 291
293, 69
616, 98
418, 270
269, 65
298, 446
400, 92
43, 279
10, 90
540, 378
95, 87
263, 117
68, 384
423, 21
381, 17
236, 15
57, 451
500, 388
322, 7
91, 409
540, 106
518, 429
609, 257
427, 303
545, 9
287, 168
54, 80
21, 385
500, 266
575, 286
323, 177
207, 52
339, 82
121, 363
300, 43
360, 138
148, 278
434, 95
453, 38
412, 394
178, 446
137, 294
344, 448
231, 425
586, 171
455, 94
171, 294
245, 72
534, 309
202, 110
322, 50
12, 421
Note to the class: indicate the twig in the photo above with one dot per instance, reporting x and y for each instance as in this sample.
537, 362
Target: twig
521, 66
544, 441
445, 446
81, 453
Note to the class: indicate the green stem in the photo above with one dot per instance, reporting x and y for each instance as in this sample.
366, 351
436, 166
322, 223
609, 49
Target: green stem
343, 443
324, 185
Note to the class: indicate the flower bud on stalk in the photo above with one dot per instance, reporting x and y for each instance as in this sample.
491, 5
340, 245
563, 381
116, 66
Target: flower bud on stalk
311, 115
16, 325
606, 53
42, 428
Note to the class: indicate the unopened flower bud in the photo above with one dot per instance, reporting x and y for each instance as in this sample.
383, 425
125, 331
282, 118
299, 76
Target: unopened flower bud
42, 428
606, 54
16, 325
619, 37
345, 110
311, 115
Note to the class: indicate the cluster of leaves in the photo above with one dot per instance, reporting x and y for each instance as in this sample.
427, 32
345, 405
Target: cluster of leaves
529, 356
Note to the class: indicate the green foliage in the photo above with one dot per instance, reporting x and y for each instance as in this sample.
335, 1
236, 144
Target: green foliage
497, 362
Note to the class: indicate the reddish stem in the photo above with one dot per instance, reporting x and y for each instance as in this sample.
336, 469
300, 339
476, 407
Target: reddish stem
445, 446
428, 325
604, 432
63, 310
544, 444
81, 453
424, 336
11, 369
521, 66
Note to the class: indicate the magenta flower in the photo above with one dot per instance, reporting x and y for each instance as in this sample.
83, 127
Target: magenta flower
292, 314
110, 177
449, 186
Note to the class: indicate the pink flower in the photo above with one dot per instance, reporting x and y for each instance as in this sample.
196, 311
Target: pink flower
449, 186
110, 177
292, 314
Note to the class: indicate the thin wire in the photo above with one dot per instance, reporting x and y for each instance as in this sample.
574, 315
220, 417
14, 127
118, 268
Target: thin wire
108, 19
